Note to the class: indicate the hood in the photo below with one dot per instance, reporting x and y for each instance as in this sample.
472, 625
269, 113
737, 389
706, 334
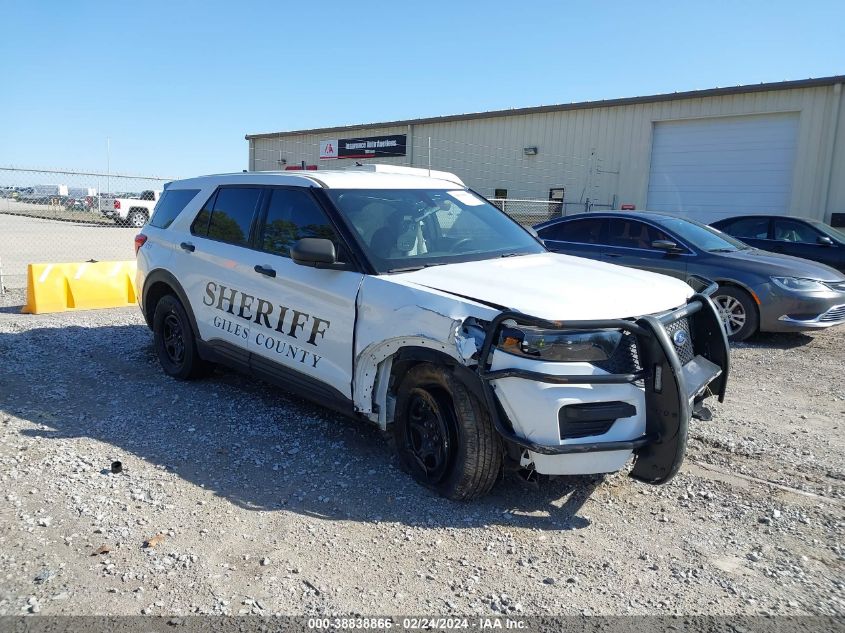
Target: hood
766, 264
556, 287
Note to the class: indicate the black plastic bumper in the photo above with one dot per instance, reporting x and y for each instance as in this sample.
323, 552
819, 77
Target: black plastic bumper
671, 389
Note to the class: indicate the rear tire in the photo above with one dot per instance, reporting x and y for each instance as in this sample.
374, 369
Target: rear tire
174, 341
444, 436
738, 312
136, 219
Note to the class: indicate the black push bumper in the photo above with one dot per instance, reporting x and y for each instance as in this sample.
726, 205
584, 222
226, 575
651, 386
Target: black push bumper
672, 388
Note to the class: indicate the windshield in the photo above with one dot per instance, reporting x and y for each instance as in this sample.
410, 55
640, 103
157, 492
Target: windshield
408, 229
704, 237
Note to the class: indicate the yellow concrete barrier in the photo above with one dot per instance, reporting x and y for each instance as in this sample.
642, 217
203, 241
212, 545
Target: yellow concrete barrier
79, 286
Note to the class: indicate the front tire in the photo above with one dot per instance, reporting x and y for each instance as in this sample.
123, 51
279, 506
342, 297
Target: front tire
738, 312
174, 341
444, 436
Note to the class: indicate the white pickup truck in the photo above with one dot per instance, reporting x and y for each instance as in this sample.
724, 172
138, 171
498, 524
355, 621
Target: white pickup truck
133, 211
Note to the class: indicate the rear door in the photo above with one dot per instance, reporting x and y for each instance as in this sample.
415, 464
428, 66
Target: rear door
216, 269
303, 318
629, 243
583, 237
799, 239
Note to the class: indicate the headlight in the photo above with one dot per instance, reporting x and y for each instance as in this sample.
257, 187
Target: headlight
797, 283
557, 345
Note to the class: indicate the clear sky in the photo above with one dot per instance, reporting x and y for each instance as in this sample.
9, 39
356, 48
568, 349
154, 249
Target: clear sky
176, 85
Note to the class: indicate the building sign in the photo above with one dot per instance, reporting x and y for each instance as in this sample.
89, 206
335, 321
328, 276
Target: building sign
364, 147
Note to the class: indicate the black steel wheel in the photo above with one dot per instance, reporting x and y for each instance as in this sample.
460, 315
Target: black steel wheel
443, 434
430, 435
174, 340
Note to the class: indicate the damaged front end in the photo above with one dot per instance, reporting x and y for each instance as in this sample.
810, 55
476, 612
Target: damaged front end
608, 409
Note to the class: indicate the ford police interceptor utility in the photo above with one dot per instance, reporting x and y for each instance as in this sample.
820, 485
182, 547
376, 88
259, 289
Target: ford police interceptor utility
401, 297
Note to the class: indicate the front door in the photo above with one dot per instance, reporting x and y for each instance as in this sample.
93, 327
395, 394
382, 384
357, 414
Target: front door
629, 243
792, 237
303, 318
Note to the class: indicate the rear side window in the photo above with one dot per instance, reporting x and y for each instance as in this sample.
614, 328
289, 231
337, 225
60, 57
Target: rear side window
291, 216
200, 224
170, 205
749, 227
231, 217
586, 231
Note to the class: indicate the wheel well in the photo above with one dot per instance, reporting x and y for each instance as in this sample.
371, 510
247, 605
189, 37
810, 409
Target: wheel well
732, 284
754, 300
408, 357
151, 298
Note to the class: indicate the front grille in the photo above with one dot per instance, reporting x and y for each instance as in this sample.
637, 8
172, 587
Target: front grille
685, 351
836, 313
625, 358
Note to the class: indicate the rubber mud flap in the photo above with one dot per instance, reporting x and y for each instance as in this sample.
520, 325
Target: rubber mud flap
667, 408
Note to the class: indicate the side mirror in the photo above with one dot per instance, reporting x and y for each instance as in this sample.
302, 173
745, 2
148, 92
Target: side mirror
824, 240
313, 251
666, 245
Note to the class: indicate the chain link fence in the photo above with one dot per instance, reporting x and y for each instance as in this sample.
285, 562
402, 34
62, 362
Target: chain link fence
53, 216
531, 212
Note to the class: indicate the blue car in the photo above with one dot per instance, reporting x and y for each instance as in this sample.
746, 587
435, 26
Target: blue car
758, 290
800, 237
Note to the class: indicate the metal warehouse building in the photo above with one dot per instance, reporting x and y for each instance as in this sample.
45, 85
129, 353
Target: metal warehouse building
773, 148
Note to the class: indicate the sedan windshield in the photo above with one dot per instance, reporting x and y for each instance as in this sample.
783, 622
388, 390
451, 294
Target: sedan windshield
408, 229
704, 237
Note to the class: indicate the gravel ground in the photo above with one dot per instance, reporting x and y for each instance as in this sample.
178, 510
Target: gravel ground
237, 498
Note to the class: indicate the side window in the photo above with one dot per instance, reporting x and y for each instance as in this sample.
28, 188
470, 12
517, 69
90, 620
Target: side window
633, 234
757, 228
200, 224
232, 215
291, 216
171, 204
586, 231
792, 231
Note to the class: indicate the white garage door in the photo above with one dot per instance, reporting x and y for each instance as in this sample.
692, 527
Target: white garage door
718, 167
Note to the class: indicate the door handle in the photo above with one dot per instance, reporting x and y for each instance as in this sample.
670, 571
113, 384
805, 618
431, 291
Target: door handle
265, 270
187, 246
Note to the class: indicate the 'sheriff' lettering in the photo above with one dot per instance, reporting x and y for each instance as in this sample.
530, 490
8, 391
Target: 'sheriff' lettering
277, 319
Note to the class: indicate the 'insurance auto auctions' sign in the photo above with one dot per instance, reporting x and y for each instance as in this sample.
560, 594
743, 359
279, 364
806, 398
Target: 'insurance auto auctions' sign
366, 147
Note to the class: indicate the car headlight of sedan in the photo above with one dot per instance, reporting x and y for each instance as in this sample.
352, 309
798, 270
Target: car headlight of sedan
559, 345
798, 283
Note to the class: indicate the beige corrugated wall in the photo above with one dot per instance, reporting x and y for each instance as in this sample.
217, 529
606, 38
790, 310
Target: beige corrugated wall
600, 153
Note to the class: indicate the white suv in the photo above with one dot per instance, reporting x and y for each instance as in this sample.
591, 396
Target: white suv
405, 299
